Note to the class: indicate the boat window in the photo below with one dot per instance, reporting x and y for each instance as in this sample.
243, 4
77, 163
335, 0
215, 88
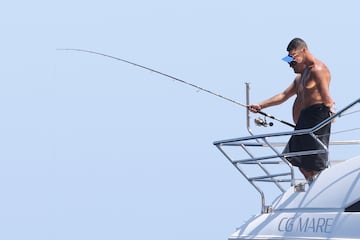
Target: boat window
353, 208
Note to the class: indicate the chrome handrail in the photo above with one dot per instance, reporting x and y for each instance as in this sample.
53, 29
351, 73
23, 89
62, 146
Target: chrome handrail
262, 140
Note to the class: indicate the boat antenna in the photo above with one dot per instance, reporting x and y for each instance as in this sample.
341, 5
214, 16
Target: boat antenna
175, 78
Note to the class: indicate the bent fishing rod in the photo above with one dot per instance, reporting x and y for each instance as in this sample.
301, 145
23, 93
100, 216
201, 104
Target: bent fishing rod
175, 78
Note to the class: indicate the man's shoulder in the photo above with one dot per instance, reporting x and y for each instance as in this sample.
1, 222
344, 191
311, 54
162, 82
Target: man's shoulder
319, 68
320, 64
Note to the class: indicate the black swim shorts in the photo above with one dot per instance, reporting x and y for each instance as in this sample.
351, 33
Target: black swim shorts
310, 117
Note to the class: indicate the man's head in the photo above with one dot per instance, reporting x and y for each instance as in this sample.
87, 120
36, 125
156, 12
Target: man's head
296, 44
296, 49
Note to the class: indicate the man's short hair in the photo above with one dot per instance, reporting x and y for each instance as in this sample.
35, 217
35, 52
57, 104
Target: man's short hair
295, 44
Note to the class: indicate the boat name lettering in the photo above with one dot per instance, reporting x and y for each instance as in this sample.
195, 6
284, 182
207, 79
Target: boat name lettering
320, 225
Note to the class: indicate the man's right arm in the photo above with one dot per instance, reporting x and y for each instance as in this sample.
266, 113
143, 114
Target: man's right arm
276, 99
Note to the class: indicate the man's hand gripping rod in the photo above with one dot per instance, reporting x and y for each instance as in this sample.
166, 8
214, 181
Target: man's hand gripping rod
177, 79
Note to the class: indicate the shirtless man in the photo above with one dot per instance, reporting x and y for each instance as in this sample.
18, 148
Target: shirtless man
312, 105
286, 94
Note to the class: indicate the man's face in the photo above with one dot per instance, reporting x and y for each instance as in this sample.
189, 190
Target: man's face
297, 54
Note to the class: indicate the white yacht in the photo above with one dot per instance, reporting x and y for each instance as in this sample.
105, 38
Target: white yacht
326, 208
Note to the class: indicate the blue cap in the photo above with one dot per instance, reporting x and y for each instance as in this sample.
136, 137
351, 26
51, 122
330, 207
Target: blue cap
288, 59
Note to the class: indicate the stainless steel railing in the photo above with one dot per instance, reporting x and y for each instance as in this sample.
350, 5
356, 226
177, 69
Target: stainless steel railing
264, 156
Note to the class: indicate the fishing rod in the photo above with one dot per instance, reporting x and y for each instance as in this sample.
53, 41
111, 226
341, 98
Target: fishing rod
177, 79
264, 123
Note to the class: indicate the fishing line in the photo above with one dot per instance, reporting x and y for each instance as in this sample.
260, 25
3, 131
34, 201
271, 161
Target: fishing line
177, 79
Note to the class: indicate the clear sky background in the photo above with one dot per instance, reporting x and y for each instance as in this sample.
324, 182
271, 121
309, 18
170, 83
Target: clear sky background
92, 148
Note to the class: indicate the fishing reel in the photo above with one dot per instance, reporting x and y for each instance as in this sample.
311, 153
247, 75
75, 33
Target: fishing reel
262, 122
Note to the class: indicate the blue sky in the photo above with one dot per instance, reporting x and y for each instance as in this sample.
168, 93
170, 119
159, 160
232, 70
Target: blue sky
93, 148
